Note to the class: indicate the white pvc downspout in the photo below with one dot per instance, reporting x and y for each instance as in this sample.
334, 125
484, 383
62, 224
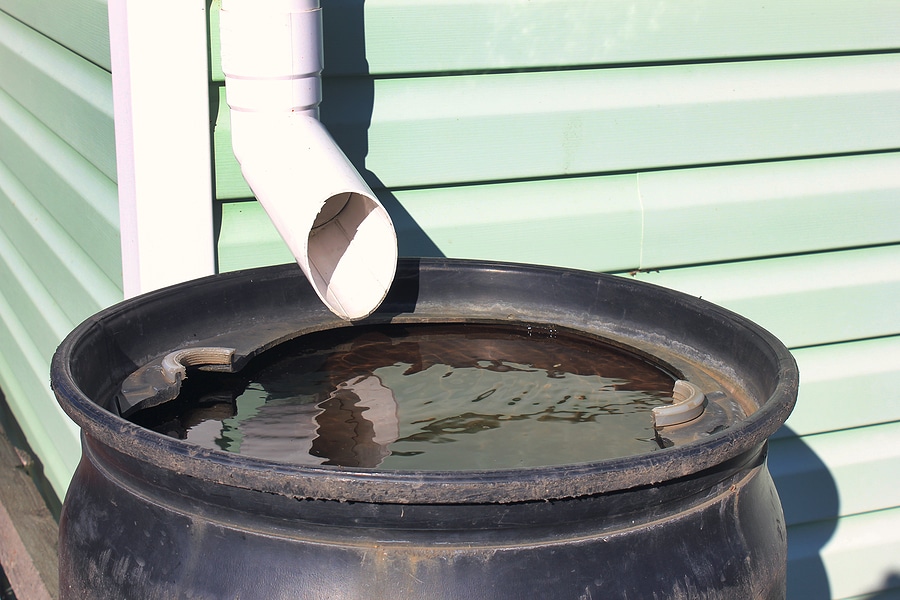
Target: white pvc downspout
340, 234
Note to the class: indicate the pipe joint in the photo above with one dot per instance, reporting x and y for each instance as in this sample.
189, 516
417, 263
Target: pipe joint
272, 59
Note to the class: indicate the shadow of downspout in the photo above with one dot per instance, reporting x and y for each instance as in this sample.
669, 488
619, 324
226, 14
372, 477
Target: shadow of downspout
348, 100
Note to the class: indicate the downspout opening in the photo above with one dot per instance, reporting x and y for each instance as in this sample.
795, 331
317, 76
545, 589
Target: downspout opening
351, 259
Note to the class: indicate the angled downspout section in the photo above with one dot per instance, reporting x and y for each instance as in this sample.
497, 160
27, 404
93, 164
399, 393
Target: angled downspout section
340, 234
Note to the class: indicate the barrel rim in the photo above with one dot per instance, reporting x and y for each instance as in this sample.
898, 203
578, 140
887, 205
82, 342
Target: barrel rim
448, 487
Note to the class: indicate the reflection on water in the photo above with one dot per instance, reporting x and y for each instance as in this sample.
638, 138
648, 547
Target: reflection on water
435, 397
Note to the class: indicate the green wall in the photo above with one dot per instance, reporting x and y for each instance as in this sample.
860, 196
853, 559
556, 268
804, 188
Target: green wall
59, 241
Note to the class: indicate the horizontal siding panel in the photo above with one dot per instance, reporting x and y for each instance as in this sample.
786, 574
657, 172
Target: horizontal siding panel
804, 300
70, 95
80, 25
864, 553
82, 199
861, 554
445, 130
726, 213
24, 378
46, 323
593, 223
484, 128
67, 273
31, 327
596, 224
404, 36
846, 385
698, 215
247, 238
524, 125
860, 476
230, 184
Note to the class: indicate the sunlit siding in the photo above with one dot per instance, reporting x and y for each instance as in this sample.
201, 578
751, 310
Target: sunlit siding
59, 242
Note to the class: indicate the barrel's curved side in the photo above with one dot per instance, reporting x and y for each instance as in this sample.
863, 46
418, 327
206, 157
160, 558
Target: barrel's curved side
121, 541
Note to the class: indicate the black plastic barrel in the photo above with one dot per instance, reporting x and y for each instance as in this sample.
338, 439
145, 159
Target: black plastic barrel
148, 516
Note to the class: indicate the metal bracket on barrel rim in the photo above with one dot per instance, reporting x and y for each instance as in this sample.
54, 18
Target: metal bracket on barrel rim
687, 404
160, 381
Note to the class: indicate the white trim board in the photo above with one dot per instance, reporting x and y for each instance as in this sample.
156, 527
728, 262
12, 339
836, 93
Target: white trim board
160, 86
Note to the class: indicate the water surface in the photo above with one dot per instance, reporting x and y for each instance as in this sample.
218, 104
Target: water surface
427, 397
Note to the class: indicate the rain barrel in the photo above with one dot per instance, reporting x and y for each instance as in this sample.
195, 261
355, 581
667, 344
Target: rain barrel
151, 516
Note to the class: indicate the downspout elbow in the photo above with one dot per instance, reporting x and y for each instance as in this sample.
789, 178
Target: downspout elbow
339, 233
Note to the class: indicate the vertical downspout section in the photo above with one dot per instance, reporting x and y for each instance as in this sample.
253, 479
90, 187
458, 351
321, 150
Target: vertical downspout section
340, 234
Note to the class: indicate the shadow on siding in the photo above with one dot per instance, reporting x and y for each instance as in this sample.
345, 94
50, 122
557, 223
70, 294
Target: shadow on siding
346, 110
811, 506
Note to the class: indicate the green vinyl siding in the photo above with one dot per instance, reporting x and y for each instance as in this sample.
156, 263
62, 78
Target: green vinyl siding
445, 36
766, 209
31, 323
527, 125
477, 128
404, 36
81, 198
59, 241
841, 558
647, 220
805, 300
80, 26
846, 385
230, 183
65, 270
248, 238
30, 302
68, 94
512, 217
861, 462
851, 473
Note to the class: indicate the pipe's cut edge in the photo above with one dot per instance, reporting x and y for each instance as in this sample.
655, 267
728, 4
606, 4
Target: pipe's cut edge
339, 233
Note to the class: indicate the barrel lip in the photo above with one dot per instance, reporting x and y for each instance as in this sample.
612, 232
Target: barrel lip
419, 284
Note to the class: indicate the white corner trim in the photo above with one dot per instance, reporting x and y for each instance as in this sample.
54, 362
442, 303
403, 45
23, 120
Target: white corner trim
160, 83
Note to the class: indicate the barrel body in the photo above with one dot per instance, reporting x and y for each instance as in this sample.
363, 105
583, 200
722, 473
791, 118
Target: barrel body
148, 516
132, 530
